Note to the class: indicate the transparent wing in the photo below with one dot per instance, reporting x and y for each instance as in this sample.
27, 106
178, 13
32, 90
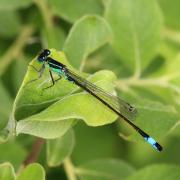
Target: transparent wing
115, 102
123, 108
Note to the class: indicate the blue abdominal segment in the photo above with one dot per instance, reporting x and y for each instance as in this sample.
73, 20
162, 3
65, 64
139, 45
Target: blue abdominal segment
153, 143
149, 139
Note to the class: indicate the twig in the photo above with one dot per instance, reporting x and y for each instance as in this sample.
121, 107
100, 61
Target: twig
69, 168
47, 16
163, 81
33, 155
16, 48
172, 35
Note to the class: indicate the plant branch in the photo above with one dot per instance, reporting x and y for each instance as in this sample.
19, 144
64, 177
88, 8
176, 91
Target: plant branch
16, 48
48, 21
160, 82
69, 168
137, 72
34, 153
172, 35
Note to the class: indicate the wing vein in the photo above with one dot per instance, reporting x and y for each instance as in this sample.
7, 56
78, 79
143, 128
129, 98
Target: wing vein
115, 102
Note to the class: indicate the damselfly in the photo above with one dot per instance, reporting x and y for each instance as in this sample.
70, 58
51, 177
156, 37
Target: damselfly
117, 105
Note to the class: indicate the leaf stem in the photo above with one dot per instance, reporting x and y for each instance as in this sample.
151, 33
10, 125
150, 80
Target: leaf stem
137, 72
161, 82
69, 168
16, 48
137, 53
172, 35
48, 21
35, 151
33, 155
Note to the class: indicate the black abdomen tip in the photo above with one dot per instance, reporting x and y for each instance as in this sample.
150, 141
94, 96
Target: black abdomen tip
158, 146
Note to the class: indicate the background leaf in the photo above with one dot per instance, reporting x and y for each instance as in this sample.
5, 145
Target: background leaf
31, 172
158, 172
171, 12
87, 34
7, 172
9, 151
152, 112
60, 148
72, 10
104, 169
6, 108
10, 23
14, 4
135, 38
84, 150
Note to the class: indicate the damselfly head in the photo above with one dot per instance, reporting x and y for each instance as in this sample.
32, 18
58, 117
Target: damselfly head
43, 55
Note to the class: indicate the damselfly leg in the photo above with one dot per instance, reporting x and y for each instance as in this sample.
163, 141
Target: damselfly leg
40, 71
52, 79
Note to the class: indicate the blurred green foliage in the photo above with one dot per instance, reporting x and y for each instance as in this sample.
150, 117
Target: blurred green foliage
137, 40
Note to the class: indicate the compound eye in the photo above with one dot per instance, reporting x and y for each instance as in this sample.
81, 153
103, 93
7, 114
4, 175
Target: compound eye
41, 58
47, 52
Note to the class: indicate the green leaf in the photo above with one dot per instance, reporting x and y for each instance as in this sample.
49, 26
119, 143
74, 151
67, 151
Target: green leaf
60, 148
87, 35
148, 156
171, 60
7, 172
104, 138
156, 172
6, 108
18, 68
71, 10
173, 72
105, 2
15, 4
171, 12
169, 48
136, 26
32, 172
172, 68
106, 58
56, 40
151, 112
9, 151
173, 77
164, 84
52, 112
48, 130
157, 94
31, 98
104, 169
10, 23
